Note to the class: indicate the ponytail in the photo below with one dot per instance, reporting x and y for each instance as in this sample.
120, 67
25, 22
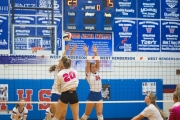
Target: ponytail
161, 111
52, 68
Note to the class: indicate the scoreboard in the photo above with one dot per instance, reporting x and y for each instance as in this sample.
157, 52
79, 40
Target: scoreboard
88, 15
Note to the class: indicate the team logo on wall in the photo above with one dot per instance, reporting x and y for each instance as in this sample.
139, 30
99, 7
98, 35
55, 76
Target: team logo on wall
172, 4
125, 29
148, 30
171, 30
124, 40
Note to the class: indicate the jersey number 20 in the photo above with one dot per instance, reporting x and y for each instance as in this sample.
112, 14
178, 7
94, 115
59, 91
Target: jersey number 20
69, 76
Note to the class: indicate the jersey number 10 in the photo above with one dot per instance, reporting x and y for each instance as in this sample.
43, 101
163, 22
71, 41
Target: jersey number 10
69, 76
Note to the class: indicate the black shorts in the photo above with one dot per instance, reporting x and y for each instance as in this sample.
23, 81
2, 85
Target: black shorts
69, 97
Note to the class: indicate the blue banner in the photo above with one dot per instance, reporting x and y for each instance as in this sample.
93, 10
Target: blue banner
4, 7
3, 32
170, 9
24, 4
125, 8
47, 4
103, 41
125, 36
149, 9
148, 36
47, 32
21, 42
170, 37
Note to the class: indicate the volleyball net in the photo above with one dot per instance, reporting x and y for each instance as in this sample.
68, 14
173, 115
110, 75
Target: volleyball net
125, 81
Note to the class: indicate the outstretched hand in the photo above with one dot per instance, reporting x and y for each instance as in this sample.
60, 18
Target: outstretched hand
85, 48
74, 47
94, 49
67, 47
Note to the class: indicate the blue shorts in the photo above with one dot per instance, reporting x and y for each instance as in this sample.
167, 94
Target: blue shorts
55, 97
94, 96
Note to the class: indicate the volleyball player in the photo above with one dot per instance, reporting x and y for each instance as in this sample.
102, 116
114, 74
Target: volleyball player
175, 112
152, 111
55, 92
19, 111
68, 78
95, 83
175, 99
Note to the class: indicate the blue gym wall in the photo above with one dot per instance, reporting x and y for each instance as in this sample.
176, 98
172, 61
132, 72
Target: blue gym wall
120, 90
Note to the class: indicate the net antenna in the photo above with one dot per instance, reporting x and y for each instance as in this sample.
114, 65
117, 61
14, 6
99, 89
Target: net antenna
33, 43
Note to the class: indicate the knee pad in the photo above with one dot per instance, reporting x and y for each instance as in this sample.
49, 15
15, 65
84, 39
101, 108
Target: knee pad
85, 117
100, 117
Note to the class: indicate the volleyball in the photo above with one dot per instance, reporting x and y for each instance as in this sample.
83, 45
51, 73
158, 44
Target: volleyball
67, 36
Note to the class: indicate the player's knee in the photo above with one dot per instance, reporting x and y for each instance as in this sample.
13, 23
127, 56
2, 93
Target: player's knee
84, 117
100, 117
99, 113
63, 118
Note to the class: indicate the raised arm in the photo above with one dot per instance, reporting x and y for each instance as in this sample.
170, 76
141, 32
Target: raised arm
73, 49
85, 48
67, 47
95, 50
59, 66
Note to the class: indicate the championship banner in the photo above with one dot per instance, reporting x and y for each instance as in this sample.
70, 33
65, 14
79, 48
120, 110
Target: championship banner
21, 33
47, 31
125, 36
3, 32
47, 4
170, 37
148, 36
4, 7
125, 8
103, 41
149, 9
170, 9
25, 3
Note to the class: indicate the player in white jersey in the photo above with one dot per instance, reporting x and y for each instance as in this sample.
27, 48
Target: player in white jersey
68, 79
20, 111
95, 97
152, 111
55, 92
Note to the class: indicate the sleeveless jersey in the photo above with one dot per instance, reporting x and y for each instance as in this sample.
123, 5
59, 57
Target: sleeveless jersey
94, 81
